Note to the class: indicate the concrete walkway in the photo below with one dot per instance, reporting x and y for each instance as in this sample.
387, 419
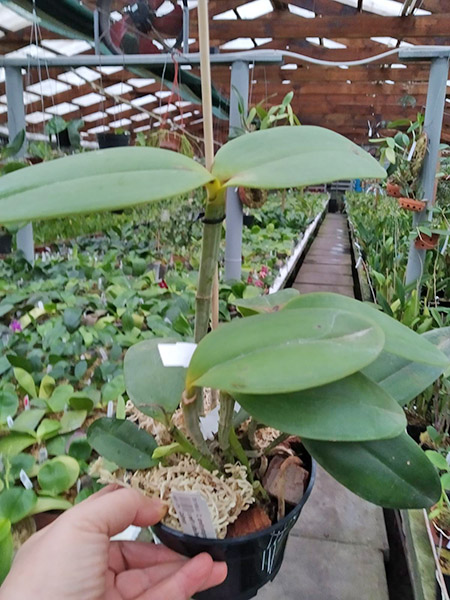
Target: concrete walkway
337, 549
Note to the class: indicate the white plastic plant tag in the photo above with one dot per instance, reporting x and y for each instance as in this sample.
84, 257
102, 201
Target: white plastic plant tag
43, 455
40, 305
26, 402
25, 480
130, 534
9, 421
110, 410
193, 513
176, 355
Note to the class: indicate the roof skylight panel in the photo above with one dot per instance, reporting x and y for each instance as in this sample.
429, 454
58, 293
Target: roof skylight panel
120, 123
228, 15
67, 47
48, 87
139, 117
79, 76
37, 117
11, 20
301, 12
119, 108
88, 99
386, 8
95, 116
138, 82
144, 100
238, 44
118, 89
255, 9
142, 128
28, 98
63, 108
31, 51
161, 110
99, 129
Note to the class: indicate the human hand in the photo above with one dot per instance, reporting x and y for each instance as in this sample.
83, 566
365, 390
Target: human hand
74, 559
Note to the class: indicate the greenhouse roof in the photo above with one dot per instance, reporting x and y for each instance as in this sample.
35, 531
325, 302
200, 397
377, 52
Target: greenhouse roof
354, 100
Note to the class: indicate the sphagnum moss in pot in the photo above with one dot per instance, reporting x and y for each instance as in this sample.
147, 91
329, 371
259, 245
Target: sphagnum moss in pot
322, 376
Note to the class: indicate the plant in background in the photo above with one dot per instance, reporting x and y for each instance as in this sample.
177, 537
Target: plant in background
67, 132
326, 368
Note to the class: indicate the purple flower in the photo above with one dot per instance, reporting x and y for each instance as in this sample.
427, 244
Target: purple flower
15, 326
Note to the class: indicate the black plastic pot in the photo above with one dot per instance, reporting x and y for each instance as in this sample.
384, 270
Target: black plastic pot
447, 586
252, 560
63, 139
5, 243
113, 140
249, 220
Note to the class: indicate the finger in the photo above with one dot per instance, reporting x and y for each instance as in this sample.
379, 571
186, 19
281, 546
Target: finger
139, 555
112, 512
192, 577
131, 584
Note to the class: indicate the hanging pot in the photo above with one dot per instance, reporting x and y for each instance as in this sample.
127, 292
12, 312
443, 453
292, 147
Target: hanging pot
170, 141
411, 204
393, 190
252, 197
426, 242
113, 140
5, 243
253, 560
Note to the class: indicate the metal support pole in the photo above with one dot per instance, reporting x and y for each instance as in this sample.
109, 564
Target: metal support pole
96, 31
185, 29
233, 249
16, 124
434, 113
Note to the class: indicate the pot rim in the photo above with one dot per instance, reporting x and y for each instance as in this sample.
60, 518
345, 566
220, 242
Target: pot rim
251, 536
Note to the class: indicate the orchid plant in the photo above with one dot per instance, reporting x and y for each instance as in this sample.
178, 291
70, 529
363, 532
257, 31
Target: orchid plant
324, 367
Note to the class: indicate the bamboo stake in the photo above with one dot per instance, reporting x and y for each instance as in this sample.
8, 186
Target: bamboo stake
208, 133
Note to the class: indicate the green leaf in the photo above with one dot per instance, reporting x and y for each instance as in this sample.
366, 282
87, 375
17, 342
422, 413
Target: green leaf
266, 303
122, 442
445, 481
285, 157
154, 389
80, 401
19, 462
80, 449
392, 473
26, 381
16, 503
438, 460
28, 420
113, 389
120, 408
14, 443
55, 125
9, 403
6, 548
400, 340
48, 429
58, 475
404, 380
60, 398
97, 181
72, 419
47, 503
351, 409
47, 387
13, 147
72, 318
163, 451
285, 351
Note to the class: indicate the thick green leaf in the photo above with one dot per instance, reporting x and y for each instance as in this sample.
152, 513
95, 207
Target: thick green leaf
80, 401
352, 409
400, 340
47, 503
265, 304
9, 403
14, 443
28, 420
285, 157
72, 318
48, 429
19, 462
394, 473
154, 389
26, 381
47, 387
16, 503
285, 351
72, 419
437, 459
97, 181
58, 475
122, 442
405, 380
60, 398
80, 449
6, 548
113, 389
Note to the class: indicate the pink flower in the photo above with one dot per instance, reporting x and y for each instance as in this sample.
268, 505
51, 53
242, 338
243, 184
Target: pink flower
259, 284
15, 326
264, 271
162, 284
250, 279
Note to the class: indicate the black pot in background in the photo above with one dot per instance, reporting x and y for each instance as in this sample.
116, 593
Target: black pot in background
113, 140
63, 139
447, 586
5, 243
253, 560
249, 220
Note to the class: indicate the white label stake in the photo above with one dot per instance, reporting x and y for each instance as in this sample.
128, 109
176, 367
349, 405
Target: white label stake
25, 480
193, 513
176, 355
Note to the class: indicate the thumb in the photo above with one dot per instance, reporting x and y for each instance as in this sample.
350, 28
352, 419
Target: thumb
110, 513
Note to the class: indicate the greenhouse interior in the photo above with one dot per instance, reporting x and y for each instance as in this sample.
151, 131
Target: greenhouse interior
224, 299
